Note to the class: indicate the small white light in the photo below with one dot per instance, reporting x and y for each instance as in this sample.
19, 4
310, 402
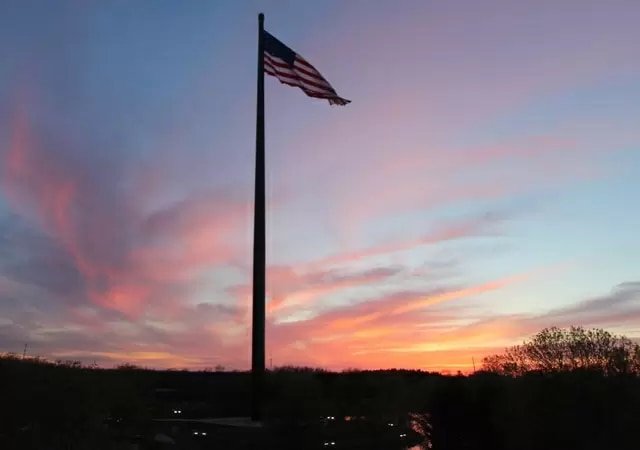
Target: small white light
204, 433
390, 424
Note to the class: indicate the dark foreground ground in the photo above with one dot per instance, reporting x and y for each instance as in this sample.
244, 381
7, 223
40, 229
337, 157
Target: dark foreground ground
339, 434
201, 434
64, 406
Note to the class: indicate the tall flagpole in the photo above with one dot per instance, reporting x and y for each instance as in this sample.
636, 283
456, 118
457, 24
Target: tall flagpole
259, 247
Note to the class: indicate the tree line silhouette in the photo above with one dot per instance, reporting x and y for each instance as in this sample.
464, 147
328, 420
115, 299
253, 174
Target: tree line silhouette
563, 389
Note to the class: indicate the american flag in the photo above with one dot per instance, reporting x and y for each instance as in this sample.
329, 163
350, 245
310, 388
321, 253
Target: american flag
292, 69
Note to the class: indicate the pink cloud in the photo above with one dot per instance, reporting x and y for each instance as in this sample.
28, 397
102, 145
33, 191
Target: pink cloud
130, 261
289, 287
304, 285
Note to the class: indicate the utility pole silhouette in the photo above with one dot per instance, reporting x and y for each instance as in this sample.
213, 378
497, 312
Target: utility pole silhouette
24, 352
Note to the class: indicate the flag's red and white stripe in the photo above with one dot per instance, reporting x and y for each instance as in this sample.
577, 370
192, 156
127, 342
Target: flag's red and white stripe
302, 75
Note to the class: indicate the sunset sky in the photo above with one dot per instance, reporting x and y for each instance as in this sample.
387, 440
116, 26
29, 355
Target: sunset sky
483, 184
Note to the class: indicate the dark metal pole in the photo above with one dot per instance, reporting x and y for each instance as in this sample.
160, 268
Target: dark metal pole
259, 248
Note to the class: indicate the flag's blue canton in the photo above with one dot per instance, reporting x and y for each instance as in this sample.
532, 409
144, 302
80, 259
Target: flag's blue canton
276, 48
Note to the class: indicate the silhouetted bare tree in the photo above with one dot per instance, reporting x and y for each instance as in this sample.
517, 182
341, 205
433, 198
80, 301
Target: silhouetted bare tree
560, 350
